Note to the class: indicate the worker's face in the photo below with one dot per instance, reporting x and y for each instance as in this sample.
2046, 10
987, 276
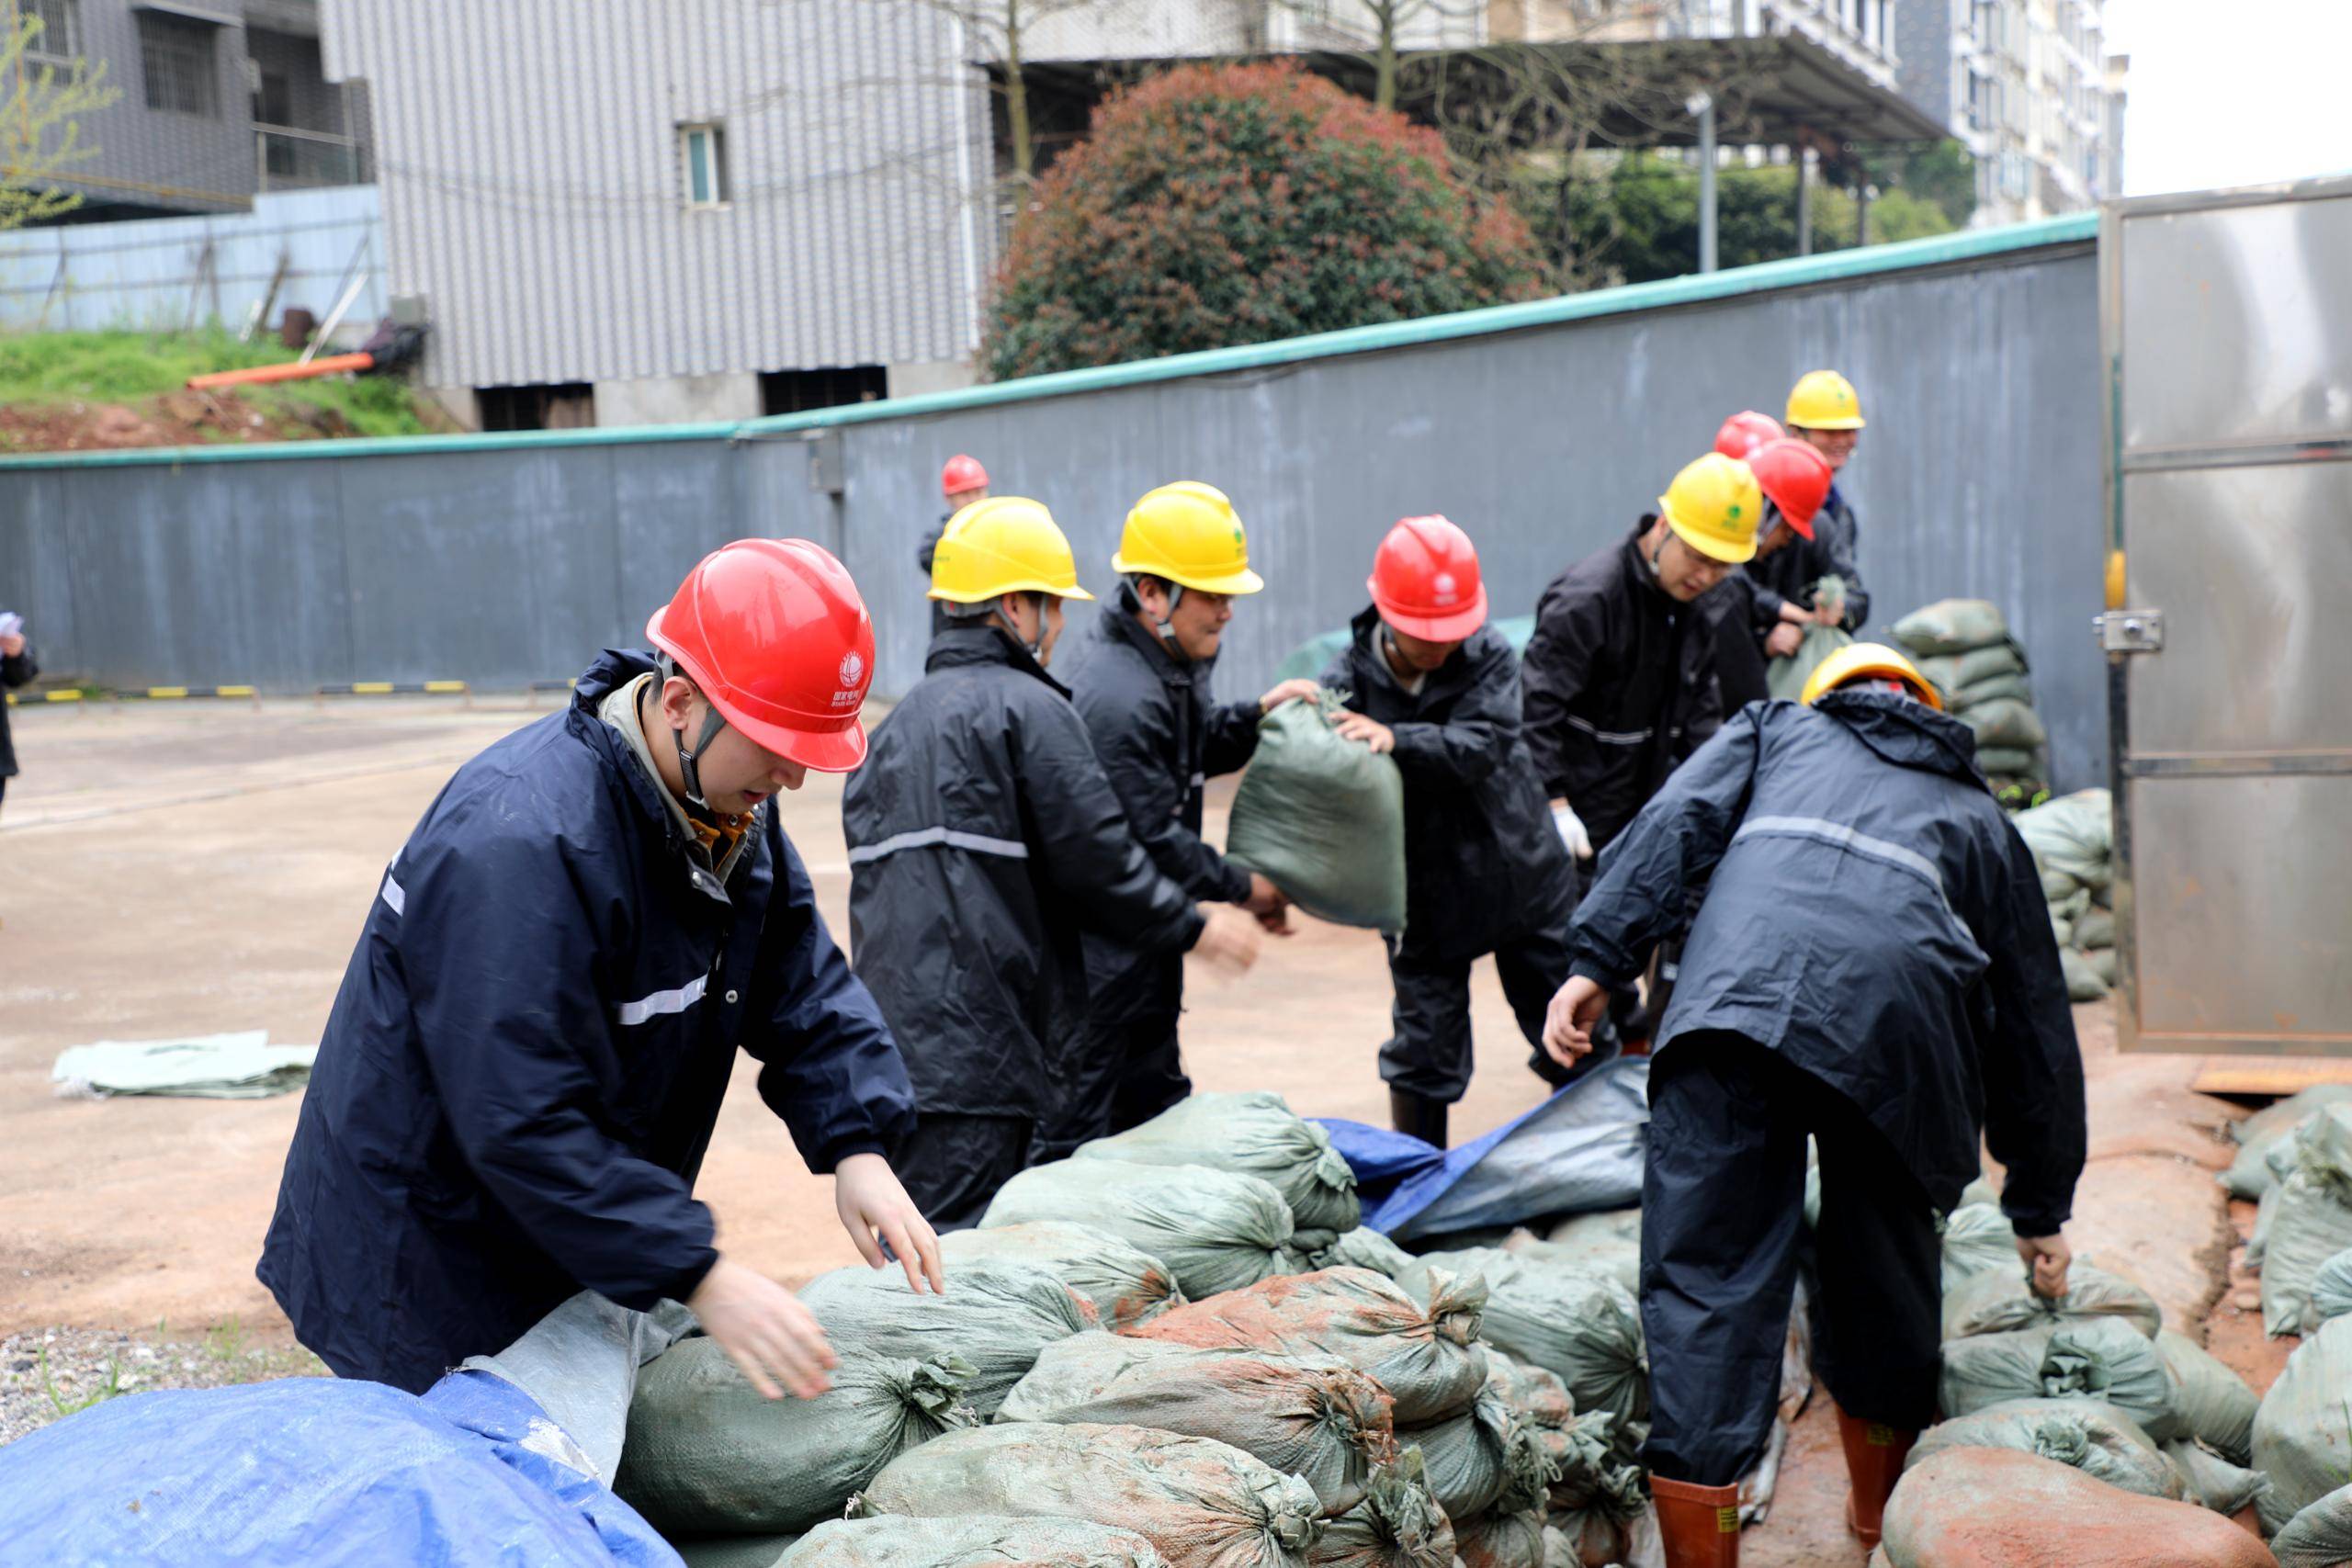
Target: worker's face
1034, 619
964, 498
1682, 571
1421, 653
737, 773
1835, 444
1198, 621
1779, 538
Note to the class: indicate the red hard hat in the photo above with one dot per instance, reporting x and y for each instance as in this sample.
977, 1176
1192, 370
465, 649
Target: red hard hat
1794, 478
963, 473
1425, 580
1744, 432
773, 633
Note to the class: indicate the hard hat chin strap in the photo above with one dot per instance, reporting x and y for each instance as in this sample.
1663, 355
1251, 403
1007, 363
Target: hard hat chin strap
690, 758
1160, 624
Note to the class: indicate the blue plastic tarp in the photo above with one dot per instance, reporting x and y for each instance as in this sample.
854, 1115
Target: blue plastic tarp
316, 1473
1581, 1149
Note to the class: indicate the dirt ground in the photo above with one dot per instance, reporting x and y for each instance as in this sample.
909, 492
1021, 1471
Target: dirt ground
189, 868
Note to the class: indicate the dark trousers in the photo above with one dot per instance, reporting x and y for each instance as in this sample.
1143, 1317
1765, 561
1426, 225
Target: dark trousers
1430, 1054
1723, 1219
952, 1165
1130, 1070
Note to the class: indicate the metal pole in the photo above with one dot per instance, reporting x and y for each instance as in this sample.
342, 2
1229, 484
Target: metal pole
1805, 201
1707, 185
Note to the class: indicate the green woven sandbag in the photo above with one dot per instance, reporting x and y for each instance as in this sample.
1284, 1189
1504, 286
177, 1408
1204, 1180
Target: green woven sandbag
1998, 1300
1573, 1320
2083, 982
1977, 1239
1785, 677
988, 1541
1501, 1540
995, 1316
2212, 1401
1323, 818
706, 1454
1311, 1415
1953, 625
1253, 1134
1124, 1284
2318, 1536
2312, 1221
1398, 1525
2096, 1438
1483, 1458
2007, 724
2302, 1433
2206, 1477
1997, 688
1215, 1230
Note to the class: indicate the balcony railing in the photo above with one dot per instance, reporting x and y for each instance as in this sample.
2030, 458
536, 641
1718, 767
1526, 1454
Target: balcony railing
288, 159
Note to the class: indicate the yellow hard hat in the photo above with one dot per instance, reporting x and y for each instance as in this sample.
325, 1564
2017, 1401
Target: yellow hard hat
1823, 400
1005, 544
1858, 660
1714, 505
1187, 533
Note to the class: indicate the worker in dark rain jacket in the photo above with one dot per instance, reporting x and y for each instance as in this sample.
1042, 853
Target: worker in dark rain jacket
1825, 416
982, 838
523, 1067
1872, 965
962, 484
1428, 680
17, 668
1144, 693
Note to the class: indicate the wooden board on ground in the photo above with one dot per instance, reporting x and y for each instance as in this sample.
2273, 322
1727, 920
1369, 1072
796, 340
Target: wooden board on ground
2269, 1074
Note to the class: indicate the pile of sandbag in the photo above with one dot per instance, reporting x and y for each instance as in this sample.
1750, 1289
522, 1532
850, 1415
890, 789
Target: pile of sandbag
2305, 1220
1255, 1135
1215, 1230
2073, 841
1124, 1284
1963, 646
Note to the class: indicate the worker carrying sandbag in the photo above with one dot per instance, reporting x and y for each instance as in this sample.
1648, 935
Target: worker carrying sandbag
983, 837
962, 484
1795, 479
1621, 671
1871, 965
1824, 414
525, 1062
1436, 686
1143, 690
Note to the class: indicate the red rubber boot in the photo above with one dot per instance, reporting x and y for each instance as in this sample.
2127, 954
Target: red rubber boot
1698, 1524
1874, 1456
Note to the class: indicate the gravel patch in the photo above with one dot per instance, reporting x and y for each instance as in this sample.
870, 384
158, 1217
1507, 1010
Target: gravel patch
46, 1373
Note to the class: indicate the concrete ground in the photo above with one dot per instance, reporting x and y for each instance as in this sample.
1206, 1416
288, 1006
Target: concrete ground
187, 868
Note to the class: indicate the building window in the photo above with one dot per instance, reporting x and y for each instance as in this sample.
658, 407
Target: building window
560, 405
702, 154
797, 391
61, 28
176, 56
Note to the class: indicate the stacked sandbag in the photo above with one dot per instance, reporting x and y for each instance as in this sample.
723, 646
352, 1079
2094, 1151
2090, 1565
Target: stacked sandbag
1977, 1239
2271, 1131
2073, 841
1577, 1324
1311, 1415
1608, 1241
1398, 1525
1483, 1460
970, 1543
2318, 1536
2214, 1405
2096, 1438
1215, 1230
1426, 1357
2311, 1220
1502, 1540
1963, 646
1253, 1134
1202, 1504
1996, 1506
1997, 1302
707, 1454
1322, 818
1122, 1284
1365, 1247
995, 1318
2098, 1358
2303, 1434
1591, 1495
2207, 1478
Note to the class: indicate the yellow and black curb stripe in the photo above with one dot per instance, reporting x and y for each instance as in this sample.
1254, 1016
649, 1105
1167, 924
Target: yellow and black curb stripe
249, 693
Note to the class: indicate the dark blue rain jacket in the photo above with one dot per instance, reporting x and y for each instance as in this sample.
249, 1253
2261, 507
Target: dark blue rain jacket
528, 1055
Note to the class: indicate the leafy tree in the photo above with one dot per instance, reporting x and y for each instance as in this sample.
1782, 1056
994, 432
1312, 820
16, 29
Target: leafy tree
41, 129
1218, 205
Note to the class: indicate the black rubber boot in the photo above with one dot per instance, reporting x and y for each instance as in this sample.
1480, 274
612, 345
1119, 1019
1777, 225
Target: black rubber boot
1417, 1117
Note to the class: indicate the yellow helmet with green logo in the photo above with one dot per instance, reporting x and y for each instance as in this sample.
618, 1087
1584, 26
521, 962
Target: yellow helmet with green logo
1188, 533
1713, 507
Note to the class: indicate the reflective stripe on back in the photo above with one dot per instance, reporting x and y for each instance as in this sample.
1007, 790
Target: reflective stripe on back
938, 838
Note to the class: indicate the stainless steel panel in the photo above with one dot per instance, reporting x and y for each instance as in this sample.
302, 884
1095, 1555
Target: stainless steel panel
2249, 566
2235, 326
2244, 913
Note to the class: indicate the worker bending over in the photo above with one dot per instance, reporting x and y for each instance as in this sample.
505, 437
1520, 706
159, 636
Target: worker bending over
1144, 693
525, 1064
1871, 965
982, 840
1433, 683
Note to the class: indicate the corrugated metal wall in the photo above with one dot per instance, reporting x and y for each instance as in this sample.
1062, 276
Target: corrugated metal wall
504, 562
528, 152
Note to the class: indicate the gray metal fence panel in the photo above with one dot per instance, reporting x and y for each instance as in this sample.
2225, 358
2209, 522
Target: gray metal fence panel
1978, 476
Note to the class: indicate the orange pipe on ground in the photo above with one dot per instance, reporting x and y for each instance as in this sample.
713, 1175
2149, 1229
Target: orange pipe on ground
325, 365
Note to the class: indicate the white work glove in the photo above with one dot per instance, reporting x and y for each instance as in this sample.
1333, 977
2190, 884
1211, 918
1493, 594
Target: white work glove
1571, 830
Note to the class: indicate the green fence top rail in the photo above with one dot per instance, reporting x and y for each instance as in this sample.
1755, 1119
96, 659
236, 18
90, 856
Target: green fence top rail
1796, 272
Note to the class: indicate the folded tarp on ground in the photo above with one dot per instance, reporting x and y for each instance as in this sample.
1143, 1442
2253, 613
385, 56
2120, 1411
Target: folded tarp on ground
1581, 1149
238, 1065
